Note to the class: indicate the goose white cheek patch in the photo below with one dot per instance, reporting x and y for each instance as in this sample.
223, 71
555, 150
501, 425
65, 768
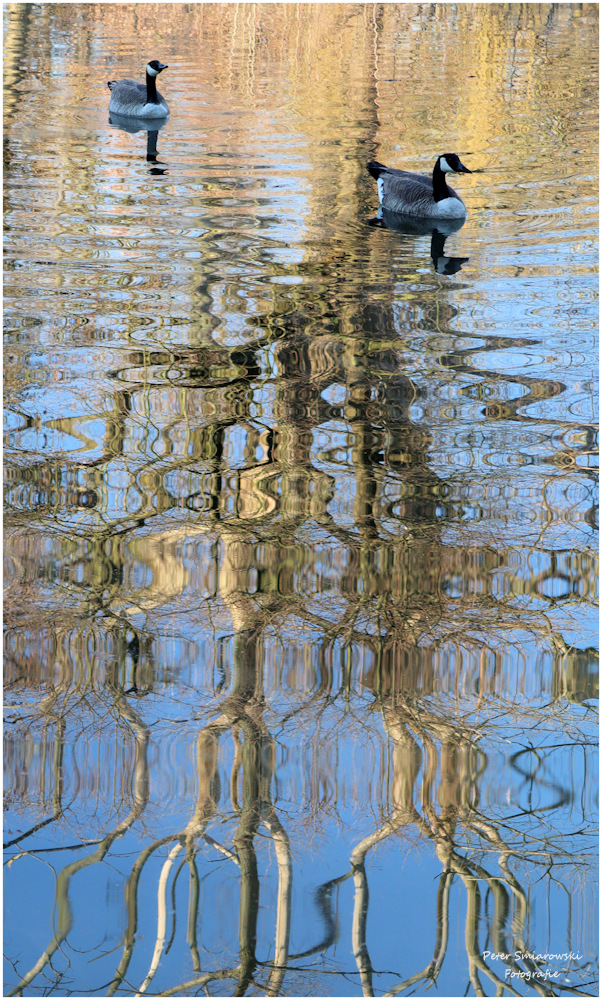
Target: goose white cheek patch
445, 166
151, 71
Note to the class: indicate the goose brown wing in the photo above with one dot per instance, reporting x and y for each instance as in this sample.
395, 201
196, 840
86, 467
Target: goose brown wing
128, 90
403, 191
406, 175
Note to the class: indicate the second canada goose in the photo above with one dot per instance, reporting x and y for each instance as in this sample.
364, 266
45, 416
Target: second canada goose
140, 100
418, 194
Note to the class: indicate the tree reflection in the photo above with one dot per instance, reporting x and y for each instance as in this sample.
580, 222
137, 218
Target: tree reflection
140, 797
392, 602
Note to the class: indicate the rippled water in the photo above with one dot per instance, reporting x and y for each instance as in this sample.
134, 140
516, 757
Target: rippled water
300, 552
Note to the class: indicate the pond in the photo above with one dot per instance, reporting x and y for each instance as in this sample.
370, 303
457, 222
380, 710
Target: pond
300, 525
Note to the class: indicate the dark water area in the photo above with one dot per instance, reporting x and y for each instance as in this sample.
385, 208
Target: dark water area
300, 551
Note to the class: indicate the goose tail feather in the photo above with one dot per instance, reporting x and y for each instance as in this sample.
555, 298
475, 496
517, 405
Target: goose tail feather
375, 168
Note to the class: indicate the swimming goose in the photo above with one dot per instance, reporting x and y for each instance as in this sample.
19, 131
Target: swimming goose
419, 194
138, 99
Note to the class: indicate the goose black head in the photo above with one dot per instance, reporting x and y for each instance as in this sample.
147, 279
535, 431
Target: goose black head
154, 67
450, 164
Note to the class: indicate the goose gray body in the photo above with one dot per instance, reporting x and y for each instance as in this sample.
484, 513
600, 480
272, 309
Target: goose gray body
139, 100
420, 195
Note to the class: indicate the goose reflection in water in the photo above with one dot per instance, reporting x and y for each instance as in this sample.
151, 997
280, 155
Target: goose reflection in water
439, 230
151, 126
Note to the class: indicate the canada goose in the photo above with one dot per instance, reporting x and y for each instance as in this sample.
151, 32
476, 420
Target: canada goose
138, 99
419, 194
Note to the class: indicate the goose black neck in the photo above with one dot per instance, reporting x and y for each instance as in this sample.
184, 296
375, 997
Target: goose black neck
151, 89
440, 188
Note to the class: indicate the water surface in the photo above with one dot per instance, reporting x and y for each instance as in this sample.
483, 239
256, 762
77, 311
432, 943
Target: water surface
300, 553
